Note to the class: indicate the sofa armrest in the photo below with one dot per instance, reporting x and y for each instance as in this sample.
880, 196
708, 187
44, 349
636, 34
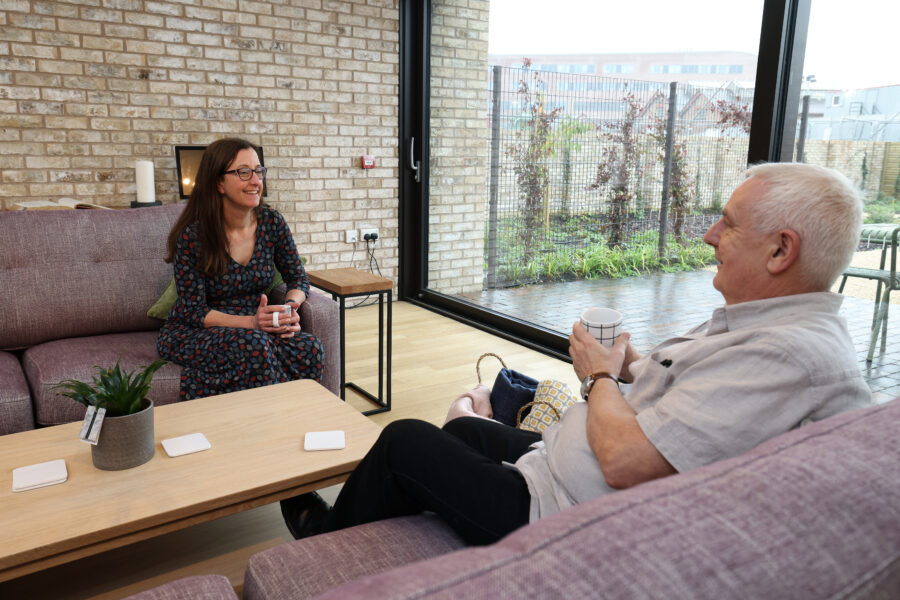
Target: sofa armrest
319, 316
313, 565
16, 411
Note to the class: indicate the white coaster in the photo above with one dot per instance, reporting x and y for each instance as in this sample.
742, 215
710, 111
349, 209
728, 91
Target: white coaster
324, 440
39, 475
186, 444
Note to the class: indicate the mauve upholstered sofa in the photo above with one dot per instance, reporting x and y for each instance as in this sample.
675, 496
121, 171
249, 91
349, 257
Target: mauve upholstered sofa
813, 513
198, 587
75, 287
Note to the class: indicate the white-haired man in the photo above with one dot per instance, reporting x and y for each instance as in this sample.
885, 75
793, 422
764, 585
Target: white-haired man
776, 355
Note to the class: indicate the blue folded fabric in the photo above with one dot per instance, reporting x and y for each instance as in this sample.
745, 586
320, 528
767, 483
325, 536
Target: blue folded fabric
510, 392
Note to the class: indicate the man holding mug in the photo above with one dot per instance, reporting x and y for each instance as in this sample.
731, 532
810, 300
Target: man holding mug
775, 356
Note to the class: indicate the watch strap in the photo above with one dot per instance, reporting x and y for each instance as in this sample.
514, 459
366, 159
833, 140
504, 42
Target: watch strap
594, 377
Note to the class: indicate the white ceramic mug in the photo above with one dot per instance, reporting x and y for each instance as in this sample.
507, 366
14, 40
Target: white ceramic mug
284, 312
605, 324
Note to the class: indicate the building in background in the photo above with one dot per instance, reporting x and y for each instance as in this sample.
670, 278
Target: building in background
865, 114
709, 69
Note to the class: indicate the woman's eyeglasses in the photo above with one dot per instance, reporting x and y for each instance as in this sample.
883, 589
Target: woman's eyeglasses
246, 172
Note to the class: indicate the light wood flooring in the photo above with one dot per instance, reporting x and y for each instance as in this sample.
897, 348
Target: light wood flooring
434, 361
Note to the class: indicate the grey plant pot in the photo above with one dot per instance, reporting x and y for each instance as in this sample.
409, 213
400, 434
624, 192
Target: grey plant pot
125, 442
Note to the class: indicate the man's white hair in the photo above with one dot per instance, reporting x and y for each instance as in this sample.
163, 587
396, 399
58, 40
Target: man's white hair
821, 205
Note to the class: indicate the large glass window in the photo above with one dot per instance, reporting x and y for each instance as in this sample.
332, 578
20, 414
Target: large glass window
545, 165
849, 114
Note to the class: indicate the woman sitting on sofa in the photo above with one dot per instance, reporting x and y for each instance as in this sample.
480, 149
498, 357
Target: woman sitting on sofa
225, 248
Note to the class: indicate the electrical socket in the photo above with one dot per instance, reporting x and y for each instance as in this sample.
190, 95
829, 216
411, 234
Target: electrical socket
364, 232
351, 236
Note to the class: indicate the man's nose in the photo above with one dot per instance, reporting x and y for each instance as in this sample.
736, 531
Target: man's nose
711, 236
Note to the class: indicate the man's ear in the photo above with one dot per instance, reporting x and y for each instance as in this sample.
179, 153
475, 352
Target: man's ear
785, 252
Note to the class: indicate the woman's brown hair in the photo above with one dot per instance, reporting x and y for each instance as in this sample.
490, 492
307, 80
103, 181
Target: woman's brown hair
204, 207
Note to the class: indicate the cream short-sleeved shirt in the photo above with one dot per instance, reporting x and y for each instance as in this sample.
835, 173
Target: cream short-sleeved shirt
753, 371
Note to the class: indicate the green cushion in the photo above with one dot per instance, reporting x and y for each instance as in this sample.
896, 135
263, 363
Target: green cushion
160, 309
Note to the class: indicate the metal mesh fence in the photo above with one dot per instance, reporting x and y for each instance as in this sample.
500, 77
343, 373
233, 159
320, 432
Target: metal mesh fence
580, 159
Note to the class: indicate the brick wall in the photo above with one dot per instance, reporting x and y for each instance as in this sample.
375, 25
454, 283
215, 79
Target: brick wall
87, 87
460, 145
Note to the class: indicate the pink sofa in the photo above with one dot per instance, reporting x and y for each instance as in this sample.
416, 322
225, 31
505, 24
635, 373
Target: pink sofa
75, 286
813, 513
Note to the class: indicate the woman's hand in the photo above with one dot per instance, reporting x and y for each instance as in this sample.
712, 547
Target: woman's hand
264, 319
293, 324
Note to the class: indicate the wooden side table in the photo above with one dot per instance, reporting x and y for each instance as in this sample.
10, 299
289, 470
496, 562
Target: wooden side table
347, 283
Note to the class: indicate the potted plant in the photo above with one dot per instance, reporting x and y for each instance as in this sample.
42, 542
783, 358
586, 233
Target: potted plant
126, 434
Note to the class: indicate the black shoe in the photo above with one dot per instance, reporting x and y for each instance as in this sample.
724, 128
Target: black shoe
305, 514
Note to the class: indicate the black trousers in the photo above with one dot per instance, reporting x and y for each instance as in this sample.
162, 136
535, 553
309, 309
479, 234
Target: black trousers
454, 472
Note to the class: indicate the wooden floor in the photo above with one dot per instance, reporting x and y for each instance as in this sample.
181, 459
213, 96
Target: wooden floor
433, 362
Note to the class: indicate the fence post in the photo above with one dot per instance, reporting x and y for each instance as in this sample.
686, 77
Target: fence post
801, 137
667, 170
495, 178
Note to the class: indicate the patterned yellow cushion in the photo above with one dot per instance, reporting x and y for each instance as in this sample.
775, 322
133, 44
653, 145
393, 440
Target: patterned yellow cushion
551, 400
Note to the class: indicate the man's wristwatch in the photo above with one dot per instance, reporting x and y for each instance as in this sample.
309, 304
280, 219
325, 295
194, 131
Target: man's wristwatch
588, 382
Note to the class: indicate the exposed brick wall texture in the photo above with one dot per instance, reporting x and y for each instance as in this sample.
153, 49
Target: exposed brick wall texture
88, 87
460, 145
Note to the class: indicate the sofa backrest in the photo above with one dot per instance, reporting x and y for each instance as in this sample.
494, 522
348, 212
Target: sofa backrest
68, 273
814, 513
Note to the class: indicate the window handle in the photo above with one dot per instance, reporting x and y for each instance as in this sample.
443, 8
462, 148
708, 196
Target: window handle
413, 163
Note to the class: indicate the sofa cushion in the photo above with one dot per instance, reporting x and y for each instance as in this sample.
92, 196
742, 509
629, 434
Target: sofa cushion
198, 587
162, 306
48, 364
71, 273
15, 400
813, 513
310, 566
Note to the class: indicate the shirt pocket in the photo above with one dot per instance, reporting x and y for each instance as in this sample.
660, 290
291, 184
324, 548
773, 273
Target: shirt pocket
652, 382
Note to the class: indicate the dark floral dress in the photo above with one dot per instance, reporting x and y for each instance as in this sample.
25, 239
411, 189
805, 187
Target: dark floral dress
217, 360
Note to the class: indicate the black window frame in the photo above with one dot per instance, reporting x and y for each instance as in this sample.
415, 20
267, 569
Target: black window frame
777, 88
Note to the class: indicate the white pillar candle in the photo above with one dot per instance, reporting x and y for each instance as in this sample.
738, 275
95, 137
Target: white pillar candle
146, 189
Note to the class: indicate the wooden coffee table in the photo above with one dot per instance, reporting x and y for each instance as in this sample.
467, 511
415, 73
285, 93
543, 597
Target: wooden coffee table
256, 458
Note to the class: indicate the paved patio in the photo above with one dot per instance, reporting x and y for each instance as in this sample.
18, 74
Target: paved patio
660, 305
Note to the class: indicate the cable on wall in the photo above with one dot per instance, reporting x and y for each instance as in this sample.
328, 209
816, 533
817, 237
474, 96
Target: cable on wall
369, 239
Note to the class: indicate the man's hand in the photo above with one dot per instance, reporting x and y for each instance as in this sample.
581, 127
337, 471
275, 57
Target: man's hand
631, 355
590, 356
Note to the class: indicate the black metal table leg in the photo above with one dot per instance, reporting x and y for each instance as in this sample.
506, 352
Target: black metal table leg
383, 399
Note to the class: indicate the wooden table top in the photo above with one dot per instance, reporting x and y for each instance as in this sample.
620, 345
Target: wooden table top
349, 281
256, 457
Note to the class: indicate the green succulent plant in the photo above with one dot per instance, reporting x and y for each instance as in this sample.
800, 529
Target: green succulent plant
116, 390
